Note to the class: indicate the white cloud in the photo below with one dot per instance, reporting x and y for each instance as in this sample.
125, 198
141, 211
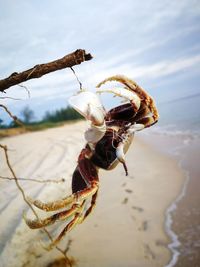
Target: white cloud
142, 40
156, 70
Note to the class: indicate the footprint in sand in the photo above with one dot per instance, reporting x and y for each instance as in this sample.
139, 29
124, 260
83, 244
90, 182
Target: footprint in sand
128, 191
138, 208
129, 176
144, 226
125, 200
148, 252
161, 243
133, 217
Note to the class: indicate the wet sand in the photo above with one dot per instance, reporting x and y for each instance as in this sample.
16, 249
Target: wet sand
127, 227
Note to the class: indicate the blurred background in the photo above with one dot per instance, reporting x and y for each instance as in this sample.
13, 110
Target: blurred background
154, 42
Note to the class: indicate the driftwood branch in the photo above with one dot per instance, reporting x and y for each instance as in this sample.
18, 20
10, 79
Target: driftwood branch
38, 71
12, 116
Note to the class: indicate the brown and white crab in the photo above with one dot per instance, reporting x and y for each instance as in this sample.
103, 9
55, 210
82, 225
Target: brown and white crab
108, 139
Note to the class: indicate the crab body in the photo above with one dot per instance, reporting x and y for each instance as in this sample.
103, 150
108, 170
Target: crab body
108, 137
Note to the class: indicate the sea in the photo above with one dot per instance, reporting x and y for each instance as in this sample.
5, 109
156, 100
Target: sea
178, 134
181, 114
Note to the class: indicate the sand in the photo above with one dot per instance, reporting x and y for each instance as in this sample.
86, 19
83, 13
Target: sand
127, 227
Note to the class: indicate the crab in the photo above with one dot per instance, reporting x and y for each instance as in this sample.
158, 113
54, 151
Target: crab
108, 138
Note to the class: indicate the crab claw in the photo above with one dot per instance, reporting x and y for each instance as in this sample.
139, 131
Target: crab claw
132, 87
89, 106
121, 156
129, 94
129, 85
124, 93
121, 148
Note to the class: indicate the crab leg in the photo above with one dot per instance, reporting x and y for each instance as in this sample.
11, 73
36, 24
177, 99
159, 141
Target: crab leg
90, 209
79, 194
67, 228
78, 218
144, 116
134, 87
130, 85
34, 224
144, 111
84, 185
54, 205
59, 204
89, 174
147, 121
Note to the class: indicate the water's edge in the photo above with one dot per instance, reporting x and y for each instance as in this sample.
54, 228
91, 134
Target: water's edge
180, 146
175, 244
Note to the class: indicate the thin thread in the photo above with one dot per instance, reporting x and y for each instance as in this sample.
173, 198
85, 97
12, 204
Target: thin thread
27, 90
80, 84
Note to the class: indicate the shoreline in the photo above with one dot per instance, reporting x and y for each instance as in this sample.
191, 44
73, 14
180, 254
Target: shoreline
185, 219
175, 244
127, 227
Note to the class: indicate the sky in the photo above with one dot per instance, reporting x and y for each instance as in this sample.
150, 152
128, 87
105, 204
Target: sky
156, 43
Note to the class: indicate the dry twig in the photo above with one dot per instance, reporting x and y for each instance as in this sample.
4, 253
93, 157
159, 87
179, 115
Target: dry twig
9, 97
15, 78
63, 252
39, 70
62, 180
11, 115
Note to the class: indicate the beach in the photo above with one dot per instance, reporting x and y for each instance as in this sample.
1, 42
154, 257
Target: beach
128, 226
183, 147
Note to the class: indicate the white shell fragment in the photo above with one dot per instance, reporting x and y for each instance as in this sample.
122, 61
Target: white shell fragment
88, 104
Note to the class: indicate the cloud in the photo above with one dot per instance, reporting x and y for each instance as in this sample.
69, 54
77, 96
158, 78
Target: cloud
152, 71
145, 40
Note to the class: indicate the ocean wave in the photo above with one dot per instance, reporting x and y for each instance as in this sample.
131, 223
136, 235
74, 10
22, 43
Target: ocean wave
173, 130
175, 242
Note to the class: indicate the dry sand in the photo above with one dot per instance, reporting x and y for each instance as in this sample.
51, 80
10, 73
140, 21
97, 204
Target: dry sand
127, 225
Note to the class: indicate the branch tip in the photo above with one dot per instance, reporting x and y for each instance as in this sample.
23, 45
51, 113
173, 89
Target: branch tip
68, 61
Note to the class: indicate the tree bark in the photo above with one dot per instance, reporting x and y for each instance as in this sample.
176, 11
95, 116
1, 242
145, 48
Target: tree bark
39, 70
